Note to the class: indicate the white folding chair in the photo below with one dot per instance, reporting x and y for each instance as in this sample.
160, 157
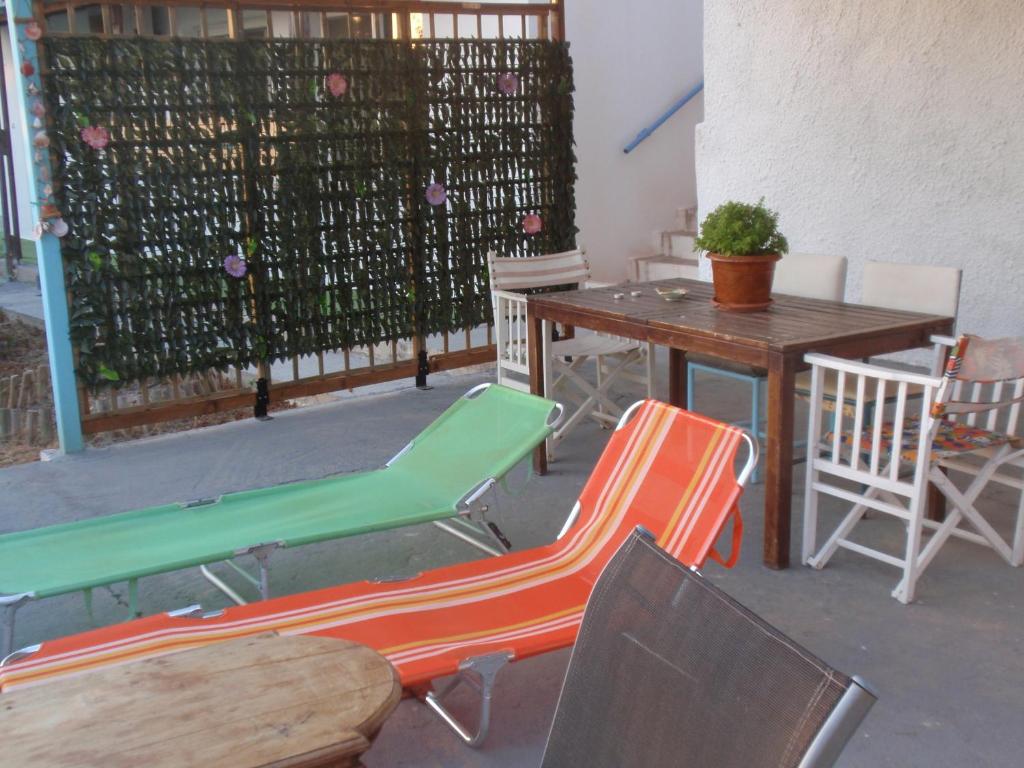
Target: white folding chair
965, 420
616, 359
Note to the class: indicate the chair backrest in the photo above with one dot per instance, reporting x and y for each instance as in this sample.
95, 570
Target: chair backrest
670, 471
983, 383
888, 404
811, 276
669, 670
912, 287
519, 274
480, 437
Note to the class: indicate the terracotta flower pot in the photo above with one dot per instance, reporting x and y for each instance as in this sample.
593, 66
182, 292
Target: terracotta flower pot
743, 283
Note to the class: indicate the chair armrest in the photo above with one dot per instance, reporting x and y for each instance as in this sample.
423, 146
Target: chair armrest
871, 370
509, 296
943, 344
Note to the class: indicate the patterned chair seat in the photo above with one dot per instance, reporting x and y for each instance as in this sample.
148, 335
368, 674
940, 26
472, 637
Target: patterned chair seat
952, 438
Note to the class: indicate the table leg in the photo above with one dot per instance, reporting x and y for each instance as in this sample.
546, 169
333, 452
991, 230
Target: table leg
677, 377
536, 328
778, 462
935, 508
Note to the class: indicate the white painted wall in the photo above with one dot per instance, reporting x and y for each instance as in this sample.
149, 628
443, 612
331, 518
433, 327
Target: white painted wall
26, 216
884, 129
632, 61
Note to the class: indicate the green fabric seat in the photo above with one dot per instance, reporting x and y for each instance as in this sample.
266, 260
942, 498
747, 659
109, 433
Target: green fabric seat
481, 437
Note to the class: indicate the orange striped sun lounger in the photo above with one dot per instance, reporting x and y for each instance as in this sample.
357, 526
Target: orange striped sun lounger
665, 469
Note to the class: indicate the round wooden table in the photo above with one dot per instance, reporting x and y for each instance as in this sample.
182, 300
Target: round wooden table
256, 702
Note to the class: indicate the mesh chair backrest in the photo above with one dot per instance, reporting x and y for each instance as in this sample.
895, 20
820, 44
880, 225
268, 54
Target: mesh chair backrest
668, 670
518, 274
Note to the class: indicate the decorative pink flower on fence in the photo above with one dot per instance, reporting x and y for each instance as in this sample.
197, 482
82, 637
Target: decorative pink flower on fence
38, 109
96, 136
508, 83
436, 194
33, 31
337, 84
27, 69
58, 227
532, 224
235, 266
41, 140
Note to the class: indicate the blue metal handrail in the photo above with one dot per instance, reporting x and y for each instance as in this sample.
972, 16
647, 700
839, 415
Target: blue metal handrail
668, 113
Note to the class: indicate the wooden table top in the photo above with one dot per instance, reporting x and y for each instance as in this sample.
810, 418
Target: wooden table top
791, 324
259, 701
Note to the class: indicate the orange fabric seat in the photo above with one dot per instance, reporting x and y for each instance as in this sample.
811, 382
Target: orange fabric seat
667, 470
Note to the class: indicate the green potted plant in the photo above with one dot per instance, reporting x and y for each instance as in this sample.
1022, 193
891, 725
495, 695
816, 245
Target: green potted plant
743, 242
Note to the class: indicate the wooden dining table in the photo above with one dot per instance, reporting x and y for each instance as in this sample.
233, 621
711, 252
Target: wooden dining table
774, 340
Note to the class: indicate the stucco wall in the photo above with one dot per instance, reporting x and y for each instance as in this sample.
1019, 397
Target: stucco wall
26, 218
885, 129
631, 63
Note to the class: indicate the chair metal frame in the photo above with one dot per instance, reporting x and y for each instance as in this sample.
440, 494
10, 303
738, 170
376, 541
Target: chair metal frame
832, 735
883, 473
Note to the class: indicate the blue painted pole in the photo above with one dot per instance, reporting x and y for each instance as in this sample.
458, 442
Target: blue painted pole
661, 120
28, 90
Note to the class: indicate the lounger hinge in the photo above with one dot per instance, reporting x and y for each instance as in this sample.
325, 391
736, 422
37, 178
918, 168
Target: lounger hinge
195, 611
199, 502
20, 654
259, 550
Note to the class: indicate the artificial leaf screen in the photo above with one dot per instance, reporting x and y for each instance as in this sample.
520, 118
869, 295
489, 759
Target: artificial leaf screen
256, 200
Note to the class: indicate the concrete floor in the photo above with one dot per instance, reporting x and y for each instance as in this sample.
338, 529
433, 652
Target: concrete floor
23, 301
949, 668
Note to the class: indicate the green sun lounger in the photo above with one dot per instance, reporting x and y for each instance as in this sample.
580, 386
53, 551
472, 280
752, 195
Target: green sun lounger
436, 478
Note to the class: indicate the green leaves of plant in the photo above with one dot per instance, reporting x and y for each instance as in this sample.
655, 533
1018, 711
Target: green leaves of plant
741, 229
108, 373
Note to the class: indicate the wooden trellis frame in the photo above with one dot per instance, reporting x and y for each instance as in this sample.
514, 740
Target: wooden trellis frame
150, 400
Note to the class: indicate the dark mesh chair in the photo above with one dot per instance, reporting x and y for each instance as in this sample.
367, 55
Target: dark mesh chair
670, 671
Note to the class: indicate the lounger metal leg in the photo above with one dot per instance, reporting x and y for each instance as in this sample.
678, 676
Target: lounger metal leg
472, 525
9, 611
262, 553
479, 673
236, 598
11, 604
468, 538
